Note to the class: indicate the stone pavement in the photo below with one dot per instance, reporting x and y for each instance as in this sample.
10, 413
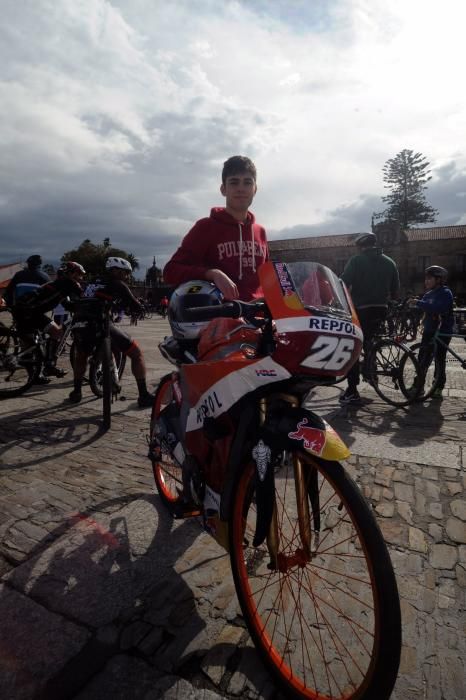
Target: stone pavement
103, 595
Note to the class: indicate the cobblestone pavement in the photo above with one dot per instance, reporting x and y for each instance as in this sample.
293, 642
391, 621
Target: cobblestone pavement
103, 595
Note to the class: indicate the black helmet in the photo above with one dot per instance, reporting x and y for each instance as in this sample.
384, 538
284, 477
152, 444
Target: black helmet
366, 240
437, 271
34, 261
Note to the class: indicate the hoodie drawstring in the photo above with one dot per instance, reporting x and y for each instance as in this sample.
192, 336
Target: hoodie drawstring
240, 226
240, 251
253, 248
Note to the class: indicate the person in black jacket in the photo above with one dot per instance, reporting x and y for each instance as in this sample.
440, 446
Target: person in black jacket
30, 311
115, 289
25, 280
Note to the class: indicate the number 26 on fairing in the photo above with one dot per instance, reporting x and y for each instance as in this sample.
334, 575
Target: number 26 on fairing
329, 352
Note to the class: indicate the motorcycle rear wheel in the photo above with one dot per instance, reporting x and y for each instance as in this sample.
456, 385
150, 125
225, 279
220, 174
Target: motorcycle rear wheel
326, 624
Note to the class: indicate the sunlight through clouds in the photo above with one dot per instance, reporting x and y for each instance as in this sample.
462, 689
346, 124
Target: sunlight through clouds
126, 109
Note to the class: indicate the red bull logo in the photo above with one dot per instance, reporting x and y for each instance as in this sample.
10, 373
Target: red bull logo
313, 439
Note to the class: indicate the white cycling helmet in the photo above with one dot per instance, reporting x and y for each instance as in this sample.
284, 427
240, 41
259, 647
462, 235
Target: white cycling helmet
187, 296
119, 263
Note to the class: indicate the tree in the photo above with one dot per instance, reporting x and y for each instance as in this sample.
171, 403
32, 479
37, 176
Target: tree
92, 256
406, 175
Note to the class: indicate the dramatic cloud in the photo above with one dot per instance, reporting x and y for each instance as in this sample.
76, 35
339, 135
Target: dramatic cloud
116, 115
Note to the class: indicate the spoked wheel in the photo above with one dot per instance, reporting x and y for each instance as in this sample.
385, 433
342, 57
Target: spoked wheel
319, 597
167, 471
429, 377
17, 371
96, 370
393, 372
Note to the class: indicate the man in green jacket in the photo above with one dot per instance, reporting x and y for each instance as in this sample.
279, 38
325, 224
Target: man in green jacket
372, 279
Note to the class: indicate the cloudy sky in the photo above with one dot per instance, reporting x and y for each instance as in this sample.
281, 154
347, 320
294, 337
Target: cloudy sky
116, 115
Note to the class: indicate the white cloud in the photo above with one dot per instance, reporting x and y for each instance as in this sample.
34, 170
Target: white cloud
117, 114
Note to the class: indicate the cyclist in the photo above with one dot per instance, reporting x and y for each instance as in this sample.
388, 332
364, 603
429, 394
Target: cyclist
112, 288
164, 306
26, 280
437, 304
29, 311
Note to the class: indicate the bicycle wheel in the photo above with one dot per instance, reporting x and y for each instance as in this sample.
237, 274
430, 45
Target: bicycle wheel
96, 370
327, 622
17, 371
428, 371
106, 355
393, 372
167, 470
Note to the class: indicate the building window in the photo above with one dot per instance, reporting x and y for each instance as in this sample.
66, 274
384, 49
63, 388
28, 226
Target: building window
423, 262
462, 263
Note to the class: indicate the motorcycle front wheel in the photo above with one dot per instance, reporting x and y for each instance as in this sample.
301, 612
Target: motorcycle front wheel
319, 596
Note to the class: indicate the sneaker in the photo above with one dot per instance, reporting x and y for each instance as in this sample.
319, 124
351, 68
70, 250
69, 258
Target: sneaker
438, 394
41, 380
52, 371
75, 396
350, 397
145, 401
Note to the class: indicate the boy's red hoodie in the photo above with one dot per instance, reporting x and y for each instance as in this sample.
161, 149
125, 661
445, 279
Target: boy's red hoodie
220, 242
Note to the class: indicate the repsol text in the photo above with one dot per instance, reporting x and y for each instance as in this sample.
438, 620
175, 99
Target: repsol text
333, 325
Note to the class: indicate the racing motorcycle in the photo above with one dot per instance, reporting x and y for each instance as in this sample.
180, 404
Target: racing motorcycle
231, 429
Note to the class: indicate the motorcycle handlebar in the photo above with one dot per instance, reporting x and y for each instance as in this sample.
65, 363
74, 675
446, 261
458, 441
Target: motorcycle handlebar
231, 309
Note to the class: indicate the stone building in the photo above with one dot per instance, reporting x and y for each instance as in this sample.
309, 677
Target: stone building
412, 249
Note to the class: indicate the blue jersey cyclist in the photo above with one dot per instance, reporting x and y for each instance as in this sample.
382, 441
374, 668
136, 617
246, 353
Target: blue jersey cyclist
112, 288
437, 305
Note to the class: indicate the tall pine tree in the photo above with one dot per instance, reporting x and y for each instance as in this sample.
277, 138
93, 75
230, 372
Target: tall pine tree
407, 175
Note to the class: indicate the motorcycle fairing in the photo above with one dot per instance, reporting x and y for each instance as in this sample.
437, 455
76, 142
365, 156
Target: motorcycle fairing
236, 381
287, 427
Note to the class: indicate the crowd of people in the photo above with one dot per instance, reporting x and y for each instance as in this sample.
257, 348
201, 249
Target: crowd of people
226, 249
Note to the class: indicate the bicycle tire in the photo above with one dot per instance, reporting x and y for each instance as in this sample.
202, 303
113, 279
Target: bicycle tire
96, 373
393, 380
429, 374
106, 354
167, 471
16, 376
329, 625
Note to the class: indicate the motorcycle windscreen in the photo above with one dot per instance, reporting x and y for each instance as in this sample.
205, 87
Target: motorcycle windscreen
302, 289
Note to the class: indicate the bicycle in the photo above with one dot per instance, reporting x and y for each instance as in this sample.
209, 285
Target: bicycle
104, 370
430, 376
403, 320
21, 360
311, 569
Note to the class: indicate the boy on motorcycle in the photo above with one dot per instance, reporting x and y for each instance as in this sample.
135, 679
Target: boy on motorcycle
228, 247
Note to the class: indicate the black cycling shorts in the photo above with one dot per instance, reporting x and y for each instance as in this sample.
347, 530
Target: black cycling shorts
86, 337
28, 323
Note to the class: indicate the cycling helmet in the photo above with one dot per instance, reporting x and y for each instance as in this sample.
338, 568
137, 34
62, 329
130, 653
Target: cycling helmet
186, 296
436, 271
69, 267
119, 263
366, 240
34, 261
